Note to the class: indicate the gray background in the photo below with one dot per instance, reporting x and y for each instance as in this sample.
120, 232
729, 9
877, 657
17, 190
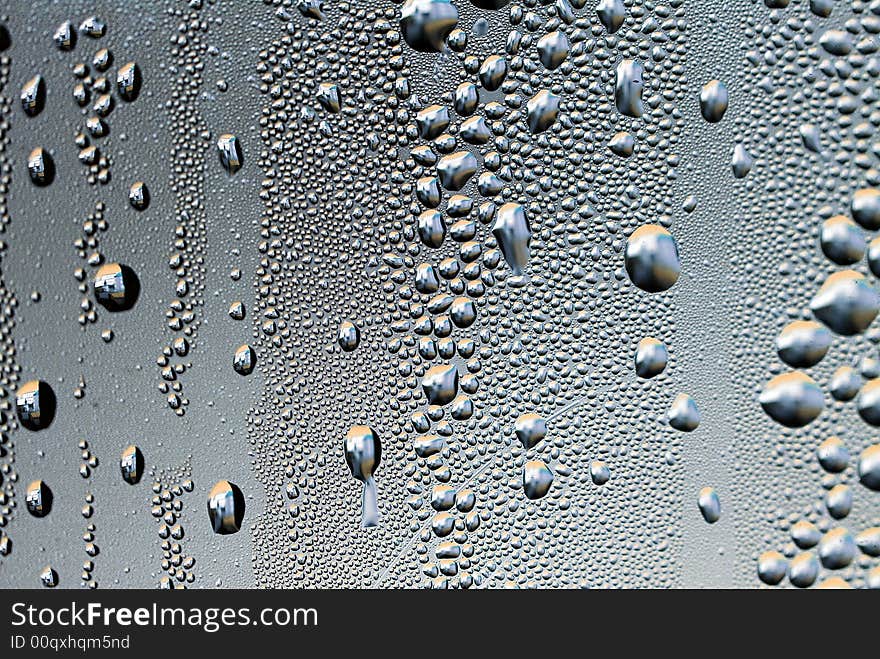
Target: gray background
749, 254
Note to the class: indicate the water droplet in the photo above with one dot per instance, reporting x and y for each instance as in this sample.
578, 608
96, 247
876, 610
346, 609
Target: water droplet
713, 101
93, 27
622, 144
803, 343
833, 455
229, 151
225, 507
440, 384
465, 100
553, 49
425, 24
805, 534
65, 36
363, 452
116, 287
128, 81
772, 567
842, 241
349, 336
683, 414
244, 360
35, 405
810, 137
628, 88
611, 14
537, 479
845, 383
837, 549
131, 463
839, 501
865, 208
511, 230
139, 195
41, 167
33, 96
869, 541
869, 402
492, 72
792, 399
599, 472
652, 258
836, 42
530, 429
102, 59
432, 121
38, 499
541, 111
463, 312
456, 169
651, 357
869, 468
846, 303
49, 577
742, 162
329, 98
709, 505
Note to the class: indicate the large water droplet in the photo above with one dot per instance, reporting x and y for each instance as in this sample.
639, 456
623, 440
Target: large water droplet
846, 303
33, 96
537, 479
869, 468
683, 414
363, 453
425, 24
225, 508
244, 359
530, 429
628, 88
792, 399
542, 110
709, 504
833, 455
651, 357
511, 230
713, 101
229, 152
651, 258
38, 499
440, 384
128, 81
349, 336
803, 343
116, 287
41, 167
611, 14
131, 463
35, 405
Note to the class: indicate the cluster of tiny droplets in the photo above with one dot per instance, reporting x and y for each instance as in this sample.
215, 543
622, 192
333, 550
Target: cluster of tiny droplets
464, 257
167, 509
89, 462
556, 341
8, 369
90, 547
802, 184
93, 91
190, 139
88, 248
304, 277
